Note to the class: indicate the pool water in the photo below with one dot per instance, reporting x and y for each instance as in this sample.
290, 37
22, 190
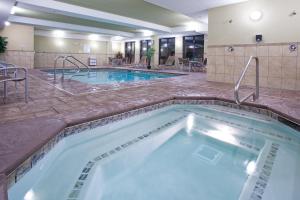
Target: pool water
188, 152
109, 76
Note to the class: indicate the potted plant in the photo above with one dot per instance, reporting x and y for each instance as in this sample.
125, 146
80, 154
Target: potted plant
3, 44
119, 55
150, 54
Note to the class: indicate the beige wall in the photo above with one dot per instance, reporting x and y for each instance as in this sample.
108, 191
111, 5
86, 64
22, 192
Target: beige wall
20, 48
64, 45
276, 25
48, 48
20, 37
279, 67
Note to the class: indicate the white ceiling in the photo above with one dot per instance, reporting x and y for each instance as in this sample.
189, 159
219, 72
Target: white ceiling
5, 7
193, 8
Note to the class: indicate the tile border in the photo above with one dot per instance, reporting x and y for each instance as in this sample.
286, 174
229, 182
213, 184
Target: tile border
75, 192
30, 162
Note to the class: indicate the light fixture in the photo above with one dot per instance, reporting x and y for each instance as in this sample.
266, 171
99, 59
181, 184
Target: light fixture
58, 33
93, 37
165, 45
6, 23
13, 10
117, 38
191, 46
150, 43
256, 15
59, 43
146, 33
94, 45
144, 48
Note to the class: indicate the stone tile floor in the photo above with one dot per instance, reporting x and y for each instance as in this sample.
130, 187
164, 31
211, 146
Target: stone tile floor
72, 101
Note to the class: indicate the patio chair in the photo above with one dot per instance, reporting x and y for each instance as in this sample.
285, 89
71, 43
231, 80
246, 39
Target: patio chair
182, 63
170, 61
10, 73
199, 63
142, 63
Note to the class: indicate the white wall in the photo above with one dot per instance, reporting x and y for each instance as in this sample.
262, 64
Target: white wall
276, 25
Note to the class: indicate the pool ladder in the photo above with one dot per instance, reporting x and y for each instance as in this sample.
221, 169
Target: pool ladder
255, 94
72, 60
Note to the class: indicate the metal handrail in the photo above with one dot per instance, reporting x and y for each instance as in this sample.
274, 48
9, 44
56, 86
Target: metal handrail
55, 63
64, 64
254, 94
67, 58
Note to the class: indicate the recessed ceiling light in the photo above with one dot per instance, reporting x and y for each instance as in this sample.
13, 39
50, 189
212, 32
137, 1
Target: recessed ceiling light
93, 37
58, 33
117, 38
146, 33
6, 23
256, 15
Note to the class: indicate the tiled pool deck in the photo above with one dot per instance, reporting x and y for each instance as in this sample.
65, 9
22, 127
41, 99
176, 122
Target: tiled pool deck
24, 127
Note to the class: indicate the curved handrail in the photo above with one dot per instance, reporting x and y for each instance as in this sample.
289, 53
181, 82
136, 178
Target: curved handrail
255, 94
67, 57
55, 63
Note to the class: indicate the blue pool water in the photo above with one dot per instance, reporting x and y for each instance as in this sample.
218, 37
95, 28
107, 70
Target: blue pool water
109, 76
188, 152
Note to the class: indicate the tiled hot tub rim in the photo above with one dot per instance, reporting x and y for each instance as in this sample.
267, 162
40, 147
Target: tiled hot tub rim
21, 168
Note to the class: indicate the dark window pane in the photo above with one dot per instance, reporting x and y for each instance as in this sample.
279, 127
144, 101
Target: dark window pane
193, 47
129, 52
166, 49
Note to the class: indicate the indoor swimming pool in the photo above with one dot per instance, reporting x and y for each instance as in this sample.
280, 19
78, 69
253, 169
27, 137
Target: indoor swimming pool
108, 76
188, 152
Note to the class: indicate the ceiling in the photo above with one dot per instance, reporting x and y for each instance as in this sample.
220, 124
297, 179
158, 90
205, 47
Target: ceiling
5, 6
116, 17
137, 9
72, 20
196, 9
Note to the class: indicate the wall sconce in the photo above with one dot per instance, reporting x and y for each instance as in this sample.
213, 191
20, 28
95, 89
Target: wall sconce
230, 49
256, 15
293, 47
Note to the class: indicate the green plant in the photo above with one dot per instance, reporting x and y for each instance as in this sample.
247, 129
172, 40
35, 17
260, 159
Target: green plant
119, 55
150, 54
3, 44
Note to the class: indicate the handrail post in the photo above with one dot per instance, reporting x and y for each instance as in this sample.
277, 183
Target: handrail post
63, 70
257, 78
255, 95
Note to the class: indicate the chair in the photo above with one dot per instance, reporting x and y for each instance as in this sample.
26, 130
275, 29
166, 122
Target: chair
10, 72
199, 63
142, 63
182, 63
170, 61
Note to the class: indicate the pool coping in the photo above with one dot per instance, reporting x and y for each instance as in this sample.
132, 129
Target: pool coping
19, 168
40, 74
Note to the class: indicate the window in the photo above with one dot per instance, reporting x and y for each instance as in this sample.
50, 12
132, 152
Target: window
193, 47
166, 49
129, 52
145, 46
